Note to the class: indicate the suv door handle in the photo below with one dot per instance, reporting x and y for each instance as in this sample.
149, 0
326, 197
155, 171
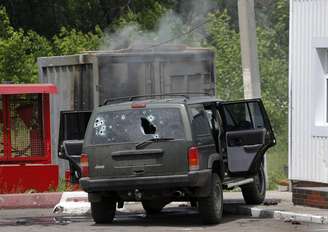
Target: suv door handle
235, 142
252, 148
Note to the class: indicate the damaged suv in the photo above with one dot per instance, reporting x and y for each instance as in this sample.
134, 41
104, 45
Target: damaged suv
174, 149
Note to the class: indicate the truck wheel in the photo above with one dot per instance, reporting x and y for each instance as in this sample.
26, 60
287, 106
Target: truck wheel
103, 211
254, 193
211, 207
153, 206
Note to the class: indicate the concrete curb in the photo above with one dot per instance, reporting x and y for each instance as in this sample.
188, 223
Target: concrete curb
29, 200
257, 212
76, 203
289, 216
73, 203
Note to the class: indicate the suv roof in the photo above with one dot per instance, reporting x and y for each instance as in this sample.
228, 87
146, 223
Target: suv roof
167, 99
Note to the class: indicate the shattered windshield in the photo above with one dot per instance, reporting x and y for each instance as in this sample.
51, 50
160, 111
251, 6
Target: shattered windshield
135, 125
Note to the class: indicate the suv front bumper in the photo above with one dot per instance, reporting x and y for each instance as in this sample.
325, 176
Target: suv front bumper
192, 179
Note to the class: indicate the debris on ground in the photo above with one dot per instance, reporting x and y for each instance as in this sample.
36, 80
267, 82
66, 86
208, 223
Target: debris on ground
21, 222
271, 202
292, 220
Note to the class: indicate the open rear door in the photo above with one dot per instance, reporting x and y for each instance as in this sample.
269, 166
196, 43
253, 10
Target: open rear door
248, 134
72, 128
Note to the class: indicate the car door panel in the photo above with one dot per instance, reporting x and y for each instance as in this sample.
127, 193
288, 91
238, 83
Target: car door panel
242, 148
248, 134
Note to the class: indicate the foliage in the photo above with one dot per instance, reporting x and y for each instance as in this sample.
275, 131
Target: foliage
47, 17
5, 27
274, 75
71, 41
144, 13
225, 41
19, 51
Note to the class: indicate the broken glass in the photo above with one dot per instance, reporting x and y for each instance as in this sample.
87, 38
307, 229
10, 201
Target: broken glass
136, 125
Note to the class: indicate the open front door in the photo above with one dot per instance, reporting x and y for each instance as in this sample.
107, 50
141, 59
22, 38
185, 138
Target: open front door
248, 134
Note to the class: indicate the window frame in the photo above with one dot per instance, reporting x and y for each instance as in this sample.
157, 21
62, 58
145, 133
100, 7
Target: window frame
319, 88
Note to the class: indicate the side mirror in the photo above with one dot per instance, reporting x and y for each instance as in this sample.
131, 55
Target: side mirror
61, 152
70, 148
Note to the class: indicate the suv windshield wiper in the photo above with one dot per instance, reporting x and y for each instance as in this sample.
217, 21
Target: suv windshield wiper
152, 140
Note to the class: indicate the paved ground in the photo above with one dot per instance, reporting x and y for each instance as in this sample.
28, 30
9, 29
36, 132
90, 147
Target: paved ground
176, 217
172, 219
284, 203
277, 205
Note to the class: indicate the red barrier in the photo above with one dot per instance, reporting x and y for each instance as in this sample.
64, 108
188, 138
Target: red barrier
25, 142
25, 178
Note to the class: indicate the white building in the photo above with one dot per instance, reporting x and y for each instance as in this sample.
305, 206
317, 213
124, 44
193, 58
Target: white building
308, 93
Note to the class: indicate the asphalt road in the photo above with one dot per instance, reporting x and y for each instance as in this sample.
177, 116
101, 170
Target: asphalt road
172, 219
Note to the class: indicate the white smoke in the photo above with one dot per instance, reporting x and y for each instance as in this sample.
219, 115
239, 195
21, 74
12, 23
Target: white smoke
188, 27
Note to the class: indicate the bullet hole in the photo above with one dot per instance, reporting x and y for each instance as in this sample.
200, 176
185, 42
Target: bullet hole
151, 118
147, 126
98, 122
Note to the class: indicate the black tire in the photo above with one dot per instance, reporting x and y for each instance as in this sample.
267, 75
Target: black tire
153, 206
211, 207
103, 211
254, 193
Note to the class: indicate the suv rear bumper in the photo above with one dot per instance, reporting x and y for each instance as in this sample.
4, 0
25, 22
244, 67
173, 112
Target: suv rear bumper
192, 179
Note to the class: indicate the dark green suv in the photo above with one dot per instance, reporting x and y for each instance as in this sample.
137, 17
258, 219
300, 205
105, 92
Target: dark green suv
174, 149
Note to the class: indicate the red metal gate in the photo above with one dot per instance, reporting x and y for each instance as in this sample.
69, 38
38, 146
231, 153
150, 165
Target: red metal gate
25, 149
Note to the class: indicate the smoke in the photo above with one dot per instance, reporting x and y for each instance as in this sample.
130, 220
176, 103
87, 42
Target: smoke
186, 26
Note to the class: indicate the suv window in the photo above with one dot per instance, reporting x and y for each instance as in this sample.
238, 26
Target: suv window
256, 113
243, 116
237, 117
135, 125
200, 124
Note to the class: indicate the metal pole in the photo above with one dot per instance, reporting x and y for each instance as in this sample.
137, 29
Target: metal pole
249, 59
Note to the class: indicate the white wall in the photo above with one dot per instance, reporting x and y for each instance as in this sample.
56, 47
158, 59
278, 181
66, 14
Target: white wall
308, 127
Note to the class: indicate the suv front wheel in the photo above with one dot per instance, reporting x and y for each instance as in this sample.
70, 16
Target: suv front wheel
211, 207
103, 211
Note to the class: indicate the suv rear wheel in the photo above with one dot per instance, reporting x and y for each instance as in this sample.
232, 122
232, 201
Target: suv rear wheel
254, 193
153, 206
211, 207
103, 211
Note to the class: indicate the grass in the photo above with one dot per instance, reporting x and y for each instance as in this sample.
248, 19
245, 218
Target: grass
277, 159
61, 185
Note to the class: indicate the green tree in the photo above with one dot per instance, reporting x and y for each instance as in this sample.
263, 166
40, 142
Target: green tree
47, 17
71, 41
19, 51
225, 41
5, 27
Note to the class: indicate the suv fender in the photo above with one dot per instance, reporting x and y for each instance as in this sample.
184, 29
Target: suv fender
215, 162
